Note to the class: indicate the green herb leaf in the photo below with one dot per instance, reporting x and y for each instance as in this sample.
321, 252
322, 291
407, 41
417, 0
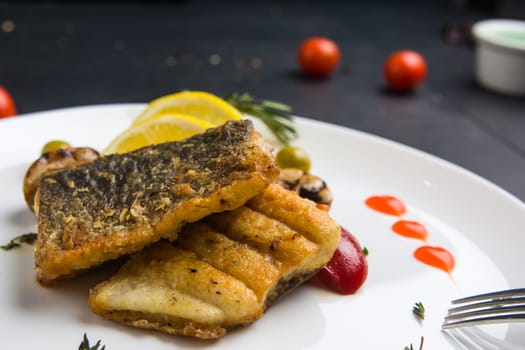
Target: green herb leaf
275, 115
419, 310
16, 242
365, 251
84, 345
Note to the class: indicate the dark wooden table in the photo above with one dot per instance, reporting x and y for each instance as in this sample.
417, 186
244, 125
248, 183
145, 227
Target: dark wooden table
67, 54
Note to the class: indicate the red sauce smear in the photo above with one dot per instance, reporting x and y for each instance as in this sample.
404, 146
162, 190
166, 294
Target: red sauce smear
436, 257
387, 205
410, 229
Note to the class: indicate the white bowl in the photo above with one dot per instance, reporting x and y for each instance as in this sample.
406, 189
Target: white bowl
500, 55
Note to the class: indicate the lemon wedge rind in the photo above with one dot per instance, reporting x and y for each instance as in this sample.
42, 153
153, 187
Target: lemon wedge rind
200, 104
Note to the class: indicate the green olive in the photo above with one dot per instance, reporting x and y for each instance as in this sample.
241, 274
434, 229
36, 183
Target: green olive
293, 157
55, 145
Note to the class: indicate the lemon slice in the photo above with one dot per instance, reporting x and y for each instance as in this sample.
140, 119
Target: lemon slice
199, 104
158, 129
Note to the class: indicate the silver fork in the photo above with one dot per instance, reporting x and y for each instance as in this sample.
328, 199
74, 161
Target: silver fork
497, 307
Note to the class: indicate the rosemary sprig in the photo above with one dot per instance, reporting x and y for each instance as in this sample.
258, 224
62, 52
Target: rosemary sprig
17, 241
419, 310
275, 115
84, 345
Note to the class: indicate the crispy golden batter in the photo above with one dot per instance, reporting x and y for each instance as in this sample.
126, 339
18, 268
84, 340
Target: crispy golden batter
224, 271
118, 204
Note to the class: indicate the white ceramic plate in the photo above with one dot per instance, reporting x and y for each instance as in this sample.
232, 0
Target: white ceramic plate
479, 223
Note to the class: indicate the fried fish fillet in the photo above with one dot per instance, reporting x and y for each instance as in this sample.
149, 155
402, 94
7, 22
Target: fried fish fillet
118, 204
59, 159
224, 271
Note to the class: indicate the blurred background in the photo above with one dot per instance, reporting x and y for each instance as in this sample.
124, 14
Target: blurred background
62, 53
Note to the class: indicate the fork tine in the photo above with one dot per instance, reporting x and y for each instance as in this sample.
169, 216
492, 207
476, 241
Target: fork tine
496, 307
488, 304
517, 292
484, 320
486, 312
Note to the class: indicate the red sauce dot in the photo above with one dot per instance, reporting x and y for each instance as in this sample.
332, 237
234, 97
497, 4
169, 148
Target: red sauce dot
436, 256
387, 205
410, 229
323, 207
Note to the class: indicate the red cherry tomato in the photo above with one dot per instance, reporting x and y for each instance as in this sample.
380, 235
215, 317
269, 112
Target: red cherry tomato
318, 56
7, 104
404, 70
346, 272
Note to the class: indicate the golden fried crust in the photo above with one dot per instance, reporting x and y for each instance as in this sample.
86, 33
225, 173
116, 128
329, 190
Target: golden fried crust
301, 215
166, 288
223, 271
118, 204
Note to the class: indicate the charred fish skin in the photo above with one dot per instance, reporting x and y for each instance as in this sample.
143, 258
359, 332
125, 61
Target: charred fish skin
223, 271
59, 159
118, 204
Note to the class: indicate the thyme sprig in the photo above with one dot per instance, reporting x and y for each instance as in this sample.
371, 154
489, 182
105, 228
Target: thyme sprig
275, 115
411, 347
419, 310
16, 242
84, 345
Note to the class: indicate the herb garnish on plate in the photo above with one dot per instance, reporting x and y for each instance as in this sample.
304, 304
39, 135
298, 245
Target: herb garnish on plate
16, 242
275, 115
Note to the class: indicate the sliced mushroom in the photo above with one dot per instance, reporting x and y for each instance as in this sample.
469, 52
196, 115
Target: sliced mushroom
306, 185
60, 159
